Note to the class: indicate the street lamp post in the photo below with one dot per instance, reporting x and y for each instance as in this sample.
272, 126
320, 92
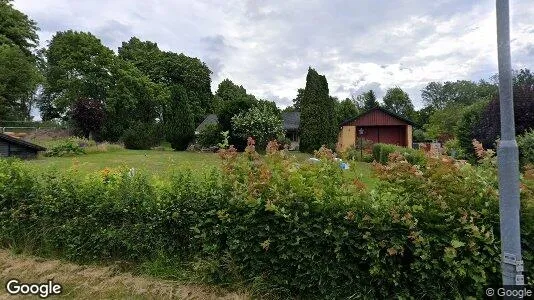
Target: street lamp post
361, 131
507, 153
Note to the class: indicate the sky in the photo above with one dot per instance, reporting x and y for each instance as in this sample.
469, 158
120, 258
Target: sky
267, 46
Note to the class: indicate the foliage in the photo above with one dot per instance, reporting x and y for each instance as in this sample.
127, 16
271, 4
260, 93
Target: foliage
19, 74
132, 98
525, 142
462, 92
442, 123
260, 122
422, 232
422, 116
225, 143
232, 100
16, 29
145, 56
453, 149
210, 136
78, 66
19, 78
354, 152
345, 109
419, 135
368, 99
488, 129
317, 120
298, 100
168, 69
88, 116
68, 147
178, 120
396, 100
466, 127
381, 153
141, 136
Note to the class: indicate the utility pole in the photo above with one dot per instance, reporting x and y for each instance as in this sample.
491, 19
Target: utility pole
508, 156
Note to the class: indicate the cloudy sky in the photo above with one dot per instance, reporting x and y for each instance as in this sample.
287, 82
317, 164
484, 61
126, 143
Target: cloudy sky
267, 46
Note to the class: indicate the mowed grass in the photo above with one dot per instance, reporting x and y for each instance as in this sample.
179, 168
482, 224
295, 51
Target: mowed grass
164, 163
153, 162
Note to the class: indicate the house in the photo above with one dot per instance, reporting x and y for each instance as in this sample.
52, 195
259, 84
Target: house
210, 119
12, 146
290, 121
377, 125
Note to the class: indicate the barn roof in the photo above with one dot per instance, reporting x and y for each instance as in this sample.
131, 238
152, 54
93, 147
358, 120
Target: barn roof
21, 142
394, 115
291, 120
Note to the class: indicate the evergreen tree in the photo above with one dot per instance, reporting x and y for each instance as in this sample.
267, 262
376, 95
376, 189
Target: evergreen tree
369, 100
318, 118
179, 122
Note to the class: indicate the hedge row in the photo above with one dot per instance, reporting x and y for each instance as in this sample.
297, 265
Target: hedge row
283, 228
381, 153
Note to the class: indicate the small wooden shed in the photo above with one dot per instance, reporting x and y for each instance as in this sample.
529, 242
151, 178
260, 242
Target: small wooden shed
12, 146
378, 125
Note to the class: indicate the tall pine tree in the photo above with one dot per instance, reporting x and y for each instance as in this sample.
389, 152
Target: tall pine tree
317, 119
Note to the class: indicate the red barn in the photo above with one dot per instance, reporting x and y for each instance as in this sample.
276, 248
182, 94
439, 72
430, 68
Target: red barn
377, 125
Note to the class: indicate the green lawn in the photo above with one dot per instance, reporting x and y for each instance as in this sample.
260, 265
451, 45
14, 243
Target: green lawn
151, 161
162, 163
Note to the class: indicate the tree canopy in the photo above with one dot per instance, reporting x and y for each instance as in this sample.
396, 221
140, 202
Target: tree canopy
17, 29
398, 101
19, 74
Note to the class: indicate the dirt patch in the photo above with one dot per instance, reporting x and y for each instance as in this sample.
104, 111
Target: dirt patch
92, 282
47, 134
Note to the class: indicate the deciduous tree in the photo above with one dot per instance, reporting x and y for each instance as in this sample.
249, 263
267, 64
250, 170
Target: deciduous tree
398, 101
78, 66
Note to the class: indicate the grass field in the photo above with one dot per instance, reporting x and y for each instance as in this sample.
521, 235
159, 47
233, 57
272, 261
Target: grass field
161, 163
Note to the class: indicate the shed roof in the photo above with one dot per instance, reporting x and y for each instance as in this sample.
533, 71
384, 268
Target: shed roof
378, 108
291, 120
21, 142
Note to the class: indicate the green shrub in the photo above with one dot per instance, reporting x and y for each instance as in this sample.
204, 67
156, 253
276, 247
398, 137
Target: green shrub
354, 153
525, 143
381, 153
210, 136
141, 136
289, 229
68, 147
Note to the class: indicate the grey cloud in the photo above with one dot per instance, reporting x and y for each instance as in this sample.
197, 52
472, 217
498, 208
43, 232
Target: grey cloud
112, 33
270, 44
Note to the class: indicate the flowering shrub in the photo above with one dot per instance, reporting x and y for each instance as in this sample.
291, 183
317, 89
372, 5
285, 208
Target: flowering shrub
259, 122
286, 228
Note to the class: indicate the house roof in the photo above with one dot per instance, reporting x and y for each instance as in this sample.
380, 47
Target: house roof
21, 142
291, 120
210, 119
410, 122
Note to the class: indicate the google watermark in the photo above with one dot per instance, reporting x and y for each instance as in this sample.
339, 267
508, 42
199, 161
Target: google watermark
43, 290
510, 292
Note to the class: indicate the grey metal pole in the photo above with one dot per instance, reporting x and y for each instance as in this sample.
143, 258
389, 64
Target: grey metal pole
507, 153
